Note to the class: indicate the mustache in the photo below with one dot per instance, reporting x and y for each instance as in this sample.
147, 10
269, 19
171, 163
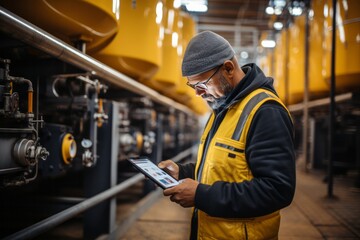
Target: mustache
205, 96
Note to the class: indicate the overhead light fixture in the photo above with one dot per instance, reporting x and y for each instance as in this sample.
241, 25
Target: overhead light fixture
278, 10
278, 25
270, 10
296, 8
275, 7
295, 11
267, 43
195, 5
244, 55
177, 3
280, 3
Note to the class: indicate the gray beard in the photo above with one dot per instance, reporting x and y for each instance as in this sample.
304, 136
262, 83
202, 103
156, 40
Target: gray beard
227, 89
218, 102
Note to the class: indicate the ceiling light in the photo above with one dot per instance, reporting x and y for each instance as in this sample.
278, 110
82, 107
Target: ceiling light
268, 43
275, 7
296, 8
278, 10
278, 25
280, 3
177, 3
244, 55
195, 5
270, 10
296, 11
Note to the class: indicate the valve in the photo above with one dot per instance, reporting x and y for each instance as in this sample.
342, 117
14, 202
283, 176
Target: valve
27, 153
88, 159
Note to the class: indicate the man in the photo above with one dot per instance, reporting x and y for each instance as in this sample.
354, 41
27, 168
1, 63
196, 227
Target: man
245, 169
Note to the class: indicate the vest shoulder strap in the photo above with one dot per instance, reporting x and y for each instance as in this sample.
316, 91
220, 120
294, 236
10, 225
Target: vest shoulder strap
251, 104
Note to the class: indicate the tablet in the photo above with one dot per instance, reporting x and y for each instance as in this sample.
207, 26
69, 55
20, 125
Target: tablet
154, 173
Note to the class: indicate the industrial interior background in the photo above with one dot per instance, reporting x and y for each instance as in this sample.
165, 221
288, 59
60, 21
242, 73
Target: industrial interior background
87, 84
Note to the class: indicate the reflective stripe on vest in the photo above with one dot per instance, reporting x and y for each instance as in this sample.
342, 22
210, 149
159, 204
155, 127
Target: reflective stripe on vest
247, 109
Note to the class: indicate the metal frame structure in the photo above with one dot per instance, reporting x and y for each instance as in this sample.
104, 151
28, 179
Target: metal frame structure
100, 188
36, 37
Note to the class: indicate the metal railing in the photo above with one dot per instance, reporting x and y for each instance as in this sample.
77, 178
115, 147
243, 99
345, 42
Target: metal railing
56, 219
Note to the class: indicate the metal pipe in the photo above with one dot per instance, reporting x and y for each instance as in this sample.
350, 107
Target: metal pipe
16, 130
30, 90
320, 102
306, 93
38, 38
332, 104
287, 58
54, 220
71, 212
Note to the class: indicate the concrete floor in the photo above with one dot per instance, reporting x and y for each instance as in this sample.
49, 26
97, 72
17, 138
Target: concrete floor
311, 216
164, 220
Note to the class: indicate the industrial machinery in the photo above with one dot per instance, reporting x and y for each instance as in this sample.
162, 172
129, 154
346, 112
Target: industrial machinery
74, 107
21, 152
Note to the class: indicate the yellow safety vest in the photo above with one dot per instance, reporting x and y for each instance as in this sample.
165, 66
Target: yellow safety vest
225, 161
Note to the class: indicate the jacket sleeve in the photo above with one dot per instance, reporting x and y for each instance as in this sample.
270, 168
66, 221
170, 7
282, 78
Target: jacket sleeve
186, 170
271, 158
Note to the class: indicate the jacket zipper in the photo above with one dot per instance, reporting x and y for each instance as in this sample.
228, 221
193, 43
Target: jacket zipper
246, 233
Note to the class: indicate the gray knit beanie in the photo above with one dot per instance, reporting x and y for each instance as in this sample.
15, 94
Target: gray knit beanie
204, 52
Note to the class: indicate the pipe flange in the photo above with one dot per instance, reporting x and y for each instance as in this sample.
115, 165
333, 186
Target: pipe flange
22, 152
68, 148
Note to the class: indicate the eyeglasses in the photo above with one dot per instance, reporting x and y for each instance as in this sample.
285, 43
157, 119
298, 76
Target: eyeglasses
202, 85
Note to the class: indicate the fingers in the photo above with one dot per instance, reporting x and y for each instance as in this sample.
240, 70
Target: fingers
170, 167
184, 193
167, 164
170, 191
173, 198
182, 202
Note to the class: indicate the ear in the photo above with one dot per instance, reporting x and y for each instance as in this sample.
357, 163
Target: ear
229, 67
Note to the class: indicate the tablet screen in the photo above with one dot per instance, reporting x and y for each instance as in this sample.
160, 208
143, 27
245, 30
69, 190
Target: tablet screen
156, 174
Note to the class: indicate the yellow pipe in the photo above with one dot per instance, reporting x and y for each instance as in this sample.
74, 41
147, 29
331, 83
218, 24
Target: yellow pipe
139, 141
101, 110
30, 101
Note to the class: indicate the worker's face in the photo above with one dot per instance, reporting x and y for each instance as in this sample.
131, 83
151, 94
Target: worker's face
217, 88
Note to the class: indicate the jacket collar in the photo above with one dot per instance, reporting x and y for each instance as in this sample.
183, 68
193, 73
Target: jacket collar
254, 78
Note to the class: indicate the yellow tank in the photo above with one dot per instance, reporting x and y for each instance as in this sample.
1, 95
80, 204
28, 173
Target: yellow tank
280, 65
196, 103
290, 42
264, 63
182, 92
296, 64
273, 61
167, 78
91, 21
347, 44
136, 48
318, 88
188, 31
266, 57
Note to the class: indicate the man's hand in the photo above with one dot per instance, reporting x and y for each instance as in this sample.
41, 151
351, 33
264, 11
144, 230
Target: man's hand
184, 193
170, 167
